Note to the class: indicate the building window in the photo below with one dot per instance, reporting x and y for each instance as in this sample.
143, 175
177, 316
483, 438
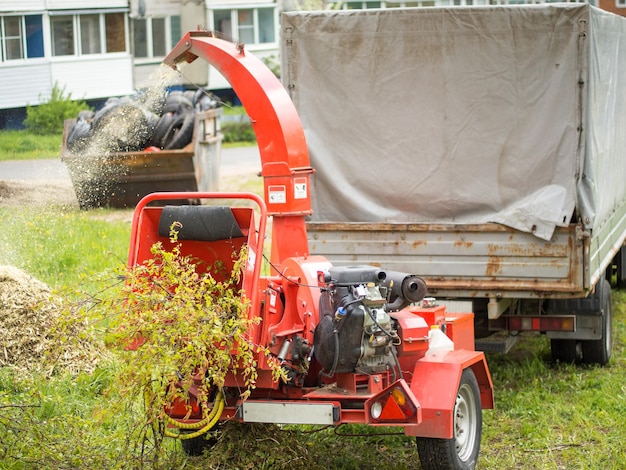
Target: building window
620, 3
94, 33
247, 25
34, 36
12, 34
140, 38
222, 23
154, 37
114, 26
90, 34
62, 35
21, 37
159, 43
357, 5
266, 25
176, 30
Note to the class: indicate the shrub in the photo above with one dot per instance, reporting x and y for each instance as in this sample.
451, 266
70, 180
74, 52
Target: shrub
238, 132
48, 117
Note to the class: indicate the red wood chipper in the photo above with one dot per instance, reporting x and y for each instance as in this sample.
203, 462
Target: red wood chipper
358, 344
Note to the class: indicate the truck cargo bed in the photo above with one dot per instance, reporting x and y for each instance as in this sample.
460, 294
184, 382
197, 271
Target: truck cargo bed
463, 261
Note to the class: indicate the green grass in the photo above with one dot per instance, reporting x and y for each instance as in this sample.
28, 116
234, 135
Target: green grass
234, 110
24, 145
557, 416
547, 416
62, 247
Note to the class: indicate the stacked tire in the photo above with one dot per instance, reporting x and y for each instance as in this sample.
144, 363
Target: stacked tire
131, 124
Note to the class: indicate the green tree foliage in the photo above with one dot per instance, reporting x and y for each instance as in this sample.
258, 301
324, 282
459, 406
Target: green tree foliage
48, 117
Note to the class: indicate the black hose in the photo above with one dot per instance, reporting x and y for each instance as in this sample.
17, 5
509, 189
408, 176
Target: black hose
335, 359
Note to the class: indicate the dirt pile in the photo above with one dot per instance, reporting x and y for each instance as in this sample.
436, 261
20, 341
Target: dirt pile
30, 339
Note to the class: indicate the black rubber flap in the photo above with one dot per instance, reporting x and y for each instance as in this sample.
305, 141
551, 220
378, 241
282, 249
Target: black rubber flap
205, 223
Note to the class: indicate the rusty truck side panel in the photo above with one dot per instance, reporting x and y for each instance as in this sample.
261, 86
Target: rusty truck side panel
464, 261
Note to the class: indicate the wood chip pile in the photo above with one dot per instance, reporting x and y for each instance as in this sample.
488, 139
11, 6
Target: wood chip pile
29, 316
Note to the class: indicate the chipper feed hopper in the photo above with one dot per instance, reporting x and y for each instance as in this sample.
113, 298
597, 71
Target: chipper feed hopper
358, 344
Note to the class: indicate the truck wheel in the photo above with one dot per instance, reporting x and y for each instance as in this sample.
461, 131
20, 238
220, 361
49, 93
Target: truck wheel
566, 351
599, 351
460, 452
620, 281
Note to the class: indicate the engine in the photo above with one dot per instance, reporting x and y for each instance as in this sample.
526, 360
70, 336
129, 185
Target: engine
355, 332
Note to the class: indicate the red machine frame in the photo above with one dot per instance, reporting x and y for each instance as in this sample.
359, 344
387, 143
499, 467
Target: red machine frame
422, 399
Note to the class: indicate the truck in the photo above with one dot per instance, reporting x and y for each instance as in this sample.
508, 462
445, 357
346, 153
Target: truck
482, 147
357, 344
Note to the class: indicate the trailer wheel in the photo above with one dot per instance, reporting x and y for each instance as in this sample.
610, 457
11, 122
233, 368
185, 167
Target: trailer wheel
197, 445
599, 351
566, 351
460, 452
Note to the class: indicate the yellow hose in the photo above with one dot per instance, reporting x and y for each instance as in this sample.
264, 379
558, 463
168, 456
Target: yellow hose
202, 426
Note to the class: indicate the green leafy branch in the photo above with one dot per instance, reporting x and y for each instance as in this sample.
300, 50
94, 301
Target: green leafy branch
176, 327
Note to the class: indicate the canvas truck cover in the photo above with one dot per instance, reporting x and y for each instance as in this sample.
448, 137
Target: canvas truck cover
462, 115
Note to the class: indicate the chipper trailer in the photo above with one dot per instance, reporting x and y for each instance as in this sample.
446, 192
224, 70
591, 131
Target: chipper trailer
358, 344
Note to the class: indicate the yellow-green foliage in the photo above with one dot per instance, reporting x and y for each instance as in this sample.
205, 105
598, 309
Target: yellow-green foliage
176, 326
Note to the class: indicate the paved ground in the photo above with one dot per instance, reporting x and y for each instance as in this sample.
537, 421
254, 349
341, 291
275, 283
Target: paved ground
28, 183
234, 161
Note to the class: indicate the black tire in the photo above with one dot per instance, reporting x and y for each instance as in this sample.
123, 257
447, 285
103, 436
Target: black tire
198, 94
615, 272
86, 114
620, 281
180, 132
78, 136
152, 121
150, 99
113, 100
101, 114
196, 445
190, 95
160, 131
567, 351
177, 104
599, 351
123, 127
460, 452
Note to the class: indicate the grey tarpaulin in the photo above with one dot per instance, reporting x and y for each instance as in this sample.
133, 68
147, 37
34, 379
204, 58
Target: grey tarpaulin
463, 115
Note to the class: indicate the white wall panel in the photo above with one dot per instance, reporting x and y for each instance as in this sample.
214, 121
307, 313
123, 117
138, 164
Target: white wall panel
236, 3
84, 4
97, 78
11, 6
155, 7
23, 85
